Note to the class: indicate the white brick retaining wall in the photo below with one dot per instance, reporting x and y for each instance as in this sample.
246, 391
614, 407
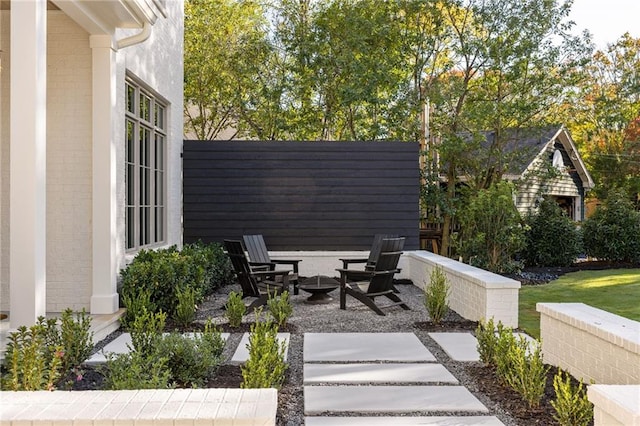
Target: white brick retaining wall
476, 294
615, 405
149, 407
590, 343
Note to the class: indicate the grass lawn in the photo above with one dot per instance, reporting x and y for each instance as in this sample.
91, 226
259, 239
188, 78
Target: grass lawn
613, 290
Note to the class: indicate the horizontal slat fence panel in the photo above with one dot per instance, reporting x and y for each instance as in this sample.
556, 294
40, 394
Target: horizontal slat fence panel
301, 195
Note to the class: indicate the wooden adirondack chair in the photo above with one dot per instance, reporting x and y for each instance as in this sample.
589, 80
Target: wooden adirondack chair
259, 257
255, 283
378, 282
370, 262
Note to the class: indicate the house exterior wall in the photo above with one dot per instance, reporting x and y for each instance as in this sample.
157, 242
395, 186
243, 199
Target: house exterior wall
157, 64
565, 185
4, 160
69, 164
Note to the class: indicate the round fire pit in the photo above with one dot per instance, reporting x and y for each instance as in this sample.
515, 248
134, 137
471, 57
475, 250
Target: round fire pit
319, 286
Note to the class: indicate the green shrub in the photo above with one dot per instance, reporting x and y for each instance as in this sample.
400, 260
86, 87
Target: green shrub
527, 373
265, 367
153, 278
32, 360
38, 357
192, 360
218, 270
146, 332
280, 308
76, 339
518, 362
135, 370
487, 338
162, 272
613, 231
186, 308
552, 238
235, 309
436, 294
503, 359
571, 403
136, 302
161, 361
491, 230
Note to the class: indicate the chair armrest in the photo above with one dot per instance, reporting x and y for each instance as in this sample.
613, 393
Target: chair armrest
293, 263
272, 272
346, 262
258, 266
360, 274
391, 272
285, 261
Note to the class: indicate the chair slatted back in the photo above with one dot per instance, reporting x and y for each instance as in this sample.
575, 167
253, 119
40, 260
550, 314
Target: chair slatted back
240, 263
256, 248
376, 246
390, 252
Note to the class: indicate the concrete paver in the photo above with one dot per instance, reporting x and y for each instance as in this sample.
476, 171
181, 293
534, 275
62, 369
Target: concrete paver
459, 346
389, 399
377, 373
405, 421
363, 347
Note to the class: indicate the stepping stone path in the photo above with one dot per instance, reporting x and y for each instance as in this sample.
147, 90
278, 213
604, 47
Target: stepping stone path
384, 378
373, 378
459, 346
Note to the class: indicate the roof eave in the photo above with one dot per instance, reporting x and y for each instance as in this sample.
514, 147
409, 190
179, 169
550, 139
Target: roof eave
104, 17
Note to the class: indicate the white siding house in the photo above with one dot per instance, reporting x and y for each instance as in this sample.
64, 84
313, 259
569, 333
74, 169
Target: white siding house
91, 126
553, 148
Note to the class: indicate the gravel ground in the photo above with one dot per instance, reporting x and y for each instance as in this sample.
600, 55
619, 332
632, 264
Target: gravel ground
356, 318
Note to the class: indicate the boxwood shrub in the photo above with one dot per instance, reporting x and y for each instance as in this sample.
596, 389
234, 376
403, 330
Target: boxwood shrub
612, 233
160, 273
552, 238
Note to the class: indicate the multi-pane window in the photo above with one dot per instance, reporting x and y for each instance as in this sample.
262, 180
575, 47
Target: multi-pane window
145, 168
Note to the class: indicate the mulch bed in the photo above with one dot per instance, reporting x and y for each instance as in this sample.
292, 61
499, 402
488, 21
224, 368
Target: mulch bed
488, 383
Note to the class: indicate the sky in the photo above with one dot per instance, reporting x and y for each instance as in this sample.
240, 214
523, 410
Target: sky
606, 20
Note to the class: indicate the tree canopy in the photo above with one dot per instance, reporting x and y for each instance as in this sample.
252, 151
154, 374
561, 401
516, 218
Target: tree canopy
604, 118
368, 69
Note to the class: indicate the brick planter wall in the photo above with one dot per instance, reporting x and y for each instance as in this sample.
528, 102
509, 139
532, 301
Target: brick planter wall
590, 343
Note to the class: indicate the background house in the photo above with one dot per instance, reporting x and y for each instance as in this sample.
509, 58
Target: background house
542, 162
545, 149
91, 126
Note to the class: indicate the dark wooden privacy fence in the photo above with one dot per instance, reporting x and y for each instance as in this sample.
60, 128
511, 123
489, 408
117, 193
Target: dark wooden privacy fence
301, 195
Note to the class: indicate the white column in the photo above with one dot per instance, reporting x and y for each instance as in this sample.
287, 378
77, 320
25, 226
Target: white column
28, 143
104, 299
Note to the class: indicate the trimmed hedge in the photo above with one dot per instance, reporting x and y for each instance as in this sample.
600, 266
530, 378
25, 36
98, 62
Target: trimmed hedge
553, 239
161, 273
613, 232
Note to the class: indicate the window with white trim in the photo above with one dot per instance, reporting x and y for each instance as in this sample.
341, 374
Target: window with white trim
146, 137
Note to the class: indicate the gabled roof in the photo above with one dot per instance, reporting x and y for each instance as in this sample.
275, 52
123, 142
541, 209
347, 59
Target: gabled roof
526, 145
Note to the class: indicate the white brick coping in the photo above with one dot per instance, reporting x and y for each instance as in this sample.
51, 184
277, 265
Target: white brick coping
609, 327
615, 404
591, 344
475, 294
149, 407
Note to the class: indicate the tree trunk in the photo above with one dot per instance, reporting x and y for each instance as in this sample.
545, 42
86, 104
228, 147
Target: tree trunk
448, 217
